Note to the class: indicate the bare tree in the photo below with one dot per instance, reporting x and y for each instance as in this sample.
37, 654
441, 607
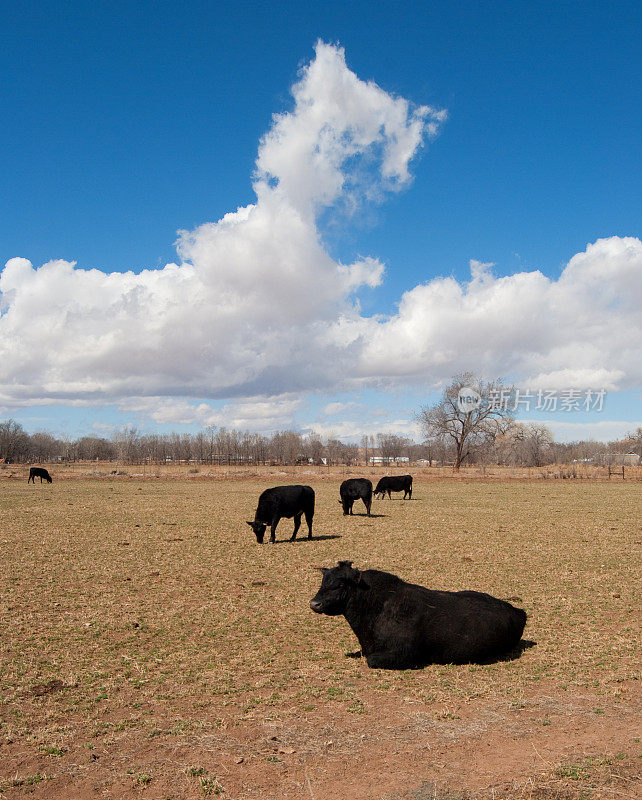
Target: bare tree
433, 449
391, 446
472, 421
524, 444
313, 448
94, 448
634, 442
536, 443
286, 447
338, 452
45, 447
127, 442
14, 441
259, 448
365, 442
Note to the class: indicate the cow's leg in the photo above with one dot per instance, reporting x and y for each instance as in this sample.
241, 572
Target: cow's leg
368, 505
308, 519
351, 504
387, 659
275, 522
297, 525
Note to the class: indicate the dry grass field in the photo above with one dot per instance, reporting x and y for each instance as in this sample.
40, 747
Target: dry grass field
150, 648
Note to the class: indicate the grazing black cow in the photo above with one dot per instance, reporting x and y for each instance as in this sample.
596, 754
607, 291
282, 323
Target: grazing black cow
394, 483
355, 489
283, 501
401, 625
39, 472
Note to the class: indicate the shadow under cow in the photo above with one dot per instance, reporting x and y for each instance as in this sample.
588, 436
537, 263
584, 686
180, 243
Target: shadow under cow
513, 655
306, 539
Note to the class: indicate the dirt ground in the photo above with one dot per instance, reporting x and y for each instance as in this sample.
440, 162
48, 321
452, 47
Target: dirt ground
150, 648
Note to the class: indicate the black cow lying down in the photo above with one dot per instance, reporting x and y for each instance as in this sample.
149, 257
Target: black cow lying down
355, 489
283, 501
39, 472
394, 483
401, 625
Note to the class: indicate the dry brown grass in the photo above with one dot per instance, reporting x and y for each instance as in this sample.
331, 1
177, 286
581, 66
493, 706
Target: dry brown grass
113, 471
148, 644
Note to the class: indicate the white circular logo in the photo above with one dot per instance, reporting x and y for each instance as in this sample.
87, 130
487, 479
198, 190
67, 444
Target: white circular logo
468, 399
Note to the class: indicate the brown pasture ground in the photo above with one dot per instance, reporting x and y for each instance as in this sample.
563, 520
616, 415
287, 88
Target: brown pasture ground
150, 648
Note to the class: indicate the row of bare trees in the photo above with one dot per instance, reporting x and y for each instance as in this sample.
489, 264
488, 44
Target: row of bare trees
209, 446
464, 427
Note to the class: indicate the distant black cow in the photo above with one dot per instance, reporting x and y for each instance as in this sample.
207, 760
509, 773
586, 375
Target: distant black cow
355, 489
38, 472
283, 501
394, 483
401, 625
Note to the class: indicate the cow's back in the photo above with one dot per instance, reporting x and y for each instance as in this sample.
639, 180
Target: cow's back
471, 626
438, 626
286, 500
394, 483
356, 488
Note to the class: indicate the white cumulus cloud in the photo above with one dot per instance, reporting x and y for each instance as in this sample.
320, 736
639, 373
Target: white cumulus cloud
257, 312
582, 330
254, 414
246, 310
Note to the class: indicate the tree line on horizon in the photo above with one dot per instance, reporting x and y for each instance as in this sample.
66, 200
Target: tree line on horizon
521, 445
456, 432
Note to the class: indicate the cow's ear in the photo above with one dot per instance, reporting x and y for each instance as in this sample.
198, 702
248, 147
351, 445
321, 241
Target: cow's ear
323, 569
359, 580
249, 523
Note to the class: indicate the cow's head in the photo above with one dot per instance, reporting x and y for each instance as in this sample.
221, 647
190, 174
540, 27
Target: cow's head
337, 586
259, 530
345, 503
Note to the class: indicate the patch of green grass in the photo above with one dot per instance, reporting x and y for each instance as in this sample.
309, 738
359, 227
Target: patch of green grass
575, 772
194, 772
211, 785
30, 780
52, 750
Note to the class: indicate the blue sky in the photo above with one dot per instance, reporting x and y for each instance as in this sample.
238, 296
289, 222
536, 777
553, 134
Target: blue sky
124, 123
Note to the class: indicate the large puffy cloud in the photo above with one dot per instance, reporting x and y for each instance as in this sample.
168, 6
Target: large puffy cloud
583, 330
339, 117
245, 311
257, 308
